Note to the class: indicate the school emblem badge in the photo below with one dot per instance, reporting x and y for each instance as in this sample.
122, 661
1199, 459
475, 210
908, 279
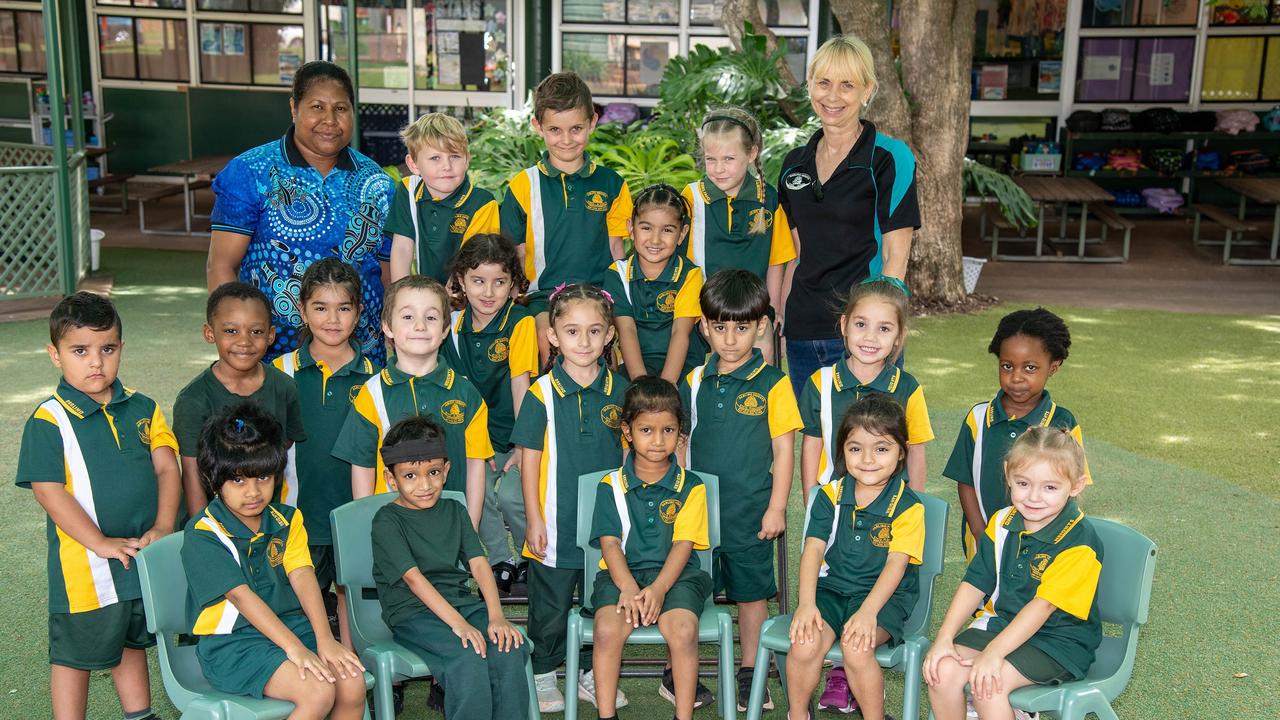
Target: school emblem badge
453, 411
498, 350
459, 224
611, 415
881, 534
1038, 564
144, 431
798, 180
597, 200
759, 212
750, 403
352, 393
667, 301
668, 510
275, 552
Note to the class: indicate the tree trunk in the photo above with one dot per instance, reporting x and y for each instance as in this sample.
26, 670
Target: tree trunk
736, 15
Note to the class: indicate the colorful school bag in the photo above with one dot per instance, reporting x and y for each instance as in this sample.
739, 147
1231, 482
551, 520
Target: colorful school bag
1165, 200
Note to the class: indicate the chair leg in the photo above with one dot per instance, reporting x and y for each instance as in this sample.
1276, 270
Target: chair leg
1195, 230
573, 646
1078, 705
1127, 231
759, 682
728, 685
534, 712
912, 657
1226, 249
384, 702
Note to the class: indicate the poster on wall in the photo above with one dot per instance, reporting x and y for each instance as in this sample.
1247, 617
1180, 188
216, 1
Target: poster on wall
995, 82
288, 65
232, 39
210, 38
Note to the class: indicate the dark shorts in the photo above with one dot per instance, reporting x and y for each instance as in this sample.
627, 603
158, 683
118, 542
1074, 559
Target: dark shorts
746, 575
836, 609
96, 639
243, 662
322, 562
689, 592
1035, 664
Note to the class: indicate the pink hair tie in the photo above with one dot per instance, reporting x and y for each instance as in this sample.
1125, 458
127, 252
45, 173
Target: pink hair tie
607, 296
556, 292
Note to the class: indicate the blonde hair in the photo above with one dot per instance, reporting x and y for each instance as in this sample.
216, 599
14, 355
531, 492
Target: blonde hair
845, 57
437, 130
414, 282
1053, 445
730, 119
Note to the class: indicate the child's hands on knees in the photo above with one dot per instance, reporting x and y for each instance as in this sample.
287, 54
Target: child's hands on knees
307, 661
339, 658
503, 634
806, 625
773, 524
941, 649
984, 676
650, 603
860, 631
629, 605
470, 637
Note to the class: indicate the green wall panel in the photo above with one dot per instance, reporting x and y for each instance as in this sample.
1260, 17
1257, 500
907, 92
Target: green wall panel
231, 121
149, 128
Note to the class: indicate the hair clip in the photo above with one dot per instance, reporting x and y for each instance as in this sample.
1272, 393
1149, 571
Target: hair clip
239, 425
557, 291
606, 295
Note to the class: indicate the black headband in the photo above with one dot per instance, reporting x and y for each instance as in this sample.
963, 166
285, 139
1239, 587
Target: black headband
414, 450
726, 118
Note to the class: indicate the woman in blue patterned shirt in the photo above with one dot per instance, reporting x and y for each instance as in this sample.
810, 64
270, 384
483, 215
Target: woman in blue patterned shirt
283, 205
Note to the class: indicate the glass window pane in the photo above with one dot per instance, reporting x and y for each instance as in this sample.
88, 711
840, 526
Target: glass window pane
463, 46
597, 58
653, 12
277, 6
162, 49
1164, 69
114, 2
1018, 55
647, 57
797, 55
1106, 70
1103, 13
776, 13
8, 42
1232, 69
1239, 12
277, 53
219, 60
381, 40
1271, 80
223, 5
1169, 12
613, 11
165, 4
115, 45
30, 42
712, 42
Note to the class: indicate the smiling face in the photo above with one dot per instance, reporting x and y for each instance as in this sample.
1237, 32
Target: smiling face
247, 497
418, 321
653, 435
322, 120
580, 333
331, 314
419, 483
89, 360
487, 287
656, 230
872, 332
443, 170
869, 458
727, 159
1025, 367
241, 330
1039, 492
837, 100
565, 133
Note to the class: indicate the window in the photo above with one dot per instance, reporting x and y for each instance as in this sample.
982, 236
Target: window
1245, 12
279, 7
143, 48
162, 4
1233, 69
249, 53
21, 42
635, 12
463, 46
619, 64
1018, 55
382, 40
776, 13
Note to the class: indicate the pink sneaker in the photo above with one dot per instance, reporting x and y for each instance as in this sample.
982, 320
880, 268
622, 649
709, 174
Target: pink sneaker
837, 696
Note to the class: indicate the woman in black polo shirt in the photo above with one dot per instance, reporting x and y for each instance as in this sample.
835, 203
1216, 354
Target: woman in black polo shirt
850, 194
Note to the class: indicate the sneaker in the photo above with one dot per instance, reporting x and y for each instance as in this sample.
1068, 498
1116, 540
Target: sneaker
435, 698
744, 690
1024, 715
520, 586
970, 712
504, 573
836, 696
701, 696
587, 690
549, 697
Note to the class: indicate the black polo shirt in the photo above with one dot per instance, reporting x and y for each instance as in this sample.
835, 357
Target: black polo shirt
841, 224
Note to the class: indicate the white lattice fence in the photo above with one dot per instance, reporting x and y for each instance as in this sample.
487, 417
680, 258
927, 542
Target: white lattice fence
30, 250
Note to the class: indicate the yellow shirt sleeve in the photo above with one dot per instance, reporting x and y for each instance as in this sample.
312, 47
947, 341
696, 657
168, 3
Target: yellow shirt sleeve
161, 434
691, 521
782, 249
687, 303
908, 534
919, 429
522, 352
784, 413
1075, 433
1071, 581
477, 435
619, 212
484, 221
296, 552
687, 193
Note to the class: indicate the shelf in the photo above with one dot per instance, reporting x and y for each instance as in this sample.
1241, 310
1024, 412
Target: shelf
1147, 174
1171, 137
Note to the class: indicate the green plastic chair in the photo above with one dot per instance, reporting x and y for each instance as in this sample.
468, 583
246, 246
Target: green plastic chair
714, 626
164, 595
906, 658
390, 661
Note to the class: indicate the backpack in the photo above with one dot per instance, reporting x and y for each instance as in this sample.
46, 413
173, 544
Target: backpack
1199, 121
1236, 121
1124, 159
1166, 161
1089, 160
1250, 161
1272, 119
1161, 120
1166, 200
1084, 121
1208, 161
1128, 198
1116, 120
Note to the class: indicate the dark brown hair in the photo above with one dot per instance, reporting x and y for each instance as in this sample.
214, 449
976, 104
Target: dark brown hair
878, 414
83, 309
562, 91
487, 249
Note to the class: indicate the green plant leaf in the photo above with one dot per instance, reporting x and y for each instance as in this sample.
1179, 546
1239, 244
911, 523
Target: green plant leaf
1014, 202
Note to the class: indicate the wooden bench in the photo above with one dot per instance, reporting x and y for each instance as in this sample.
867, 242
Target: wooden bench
1112, 220
144, 193
106, 181
992, 216
1233, 226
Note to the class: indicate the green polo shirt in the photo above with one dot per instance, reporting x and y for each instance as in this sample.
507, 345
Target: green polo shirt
577, 430
505, 348
720, 232
823, 409
101, 455
392, 395
859, 539
655, 303
219, 554
315, 481
658, 515
986, 436
438, 540
444, 224
735, 417
579, 213
204, 396
1060, 563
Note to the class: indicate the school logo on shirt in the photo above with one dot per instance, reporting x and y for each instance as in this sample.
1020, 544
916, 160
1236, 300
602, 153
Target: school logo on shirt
498, 350
453, 411
757, 213
668, 510
144, 431
275, 552
611, 416
353, 392
750, 403
459, 223
597, 200
881, 534
1038, 564
667, 301
798, 180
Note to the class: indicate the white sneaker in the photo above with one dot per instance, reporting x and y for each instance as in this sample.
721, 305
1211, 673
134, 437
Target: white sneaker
549, 697
587, 690
970, 712
1024, 715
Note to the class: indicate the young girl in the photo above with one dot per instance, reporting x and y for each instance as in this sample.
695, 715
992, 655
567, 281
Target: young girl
568, 426
252, 598
737, 221
1038, 562
864, 538
495, 346
1030, 346
650, 576
328, 368
656, 290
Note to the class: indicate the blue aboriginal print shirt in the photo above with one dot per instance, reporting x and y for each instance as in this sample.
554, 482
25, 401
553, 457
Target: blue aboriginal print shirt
295, 216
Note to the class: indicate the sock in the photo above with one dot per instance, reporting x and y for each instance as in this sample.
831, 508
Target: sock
139, 715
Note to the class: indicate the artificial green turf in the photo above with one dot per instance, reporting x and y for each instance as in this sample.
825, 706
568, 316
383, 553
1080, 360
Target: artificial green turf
1178, 415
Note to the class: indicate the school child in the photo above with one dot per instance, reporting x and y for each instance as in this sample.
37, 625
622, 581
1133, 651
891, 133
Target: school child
859, 574
238, 324
100, 460
568, 426
656, 290
736, 218
424, 552
1030, 346
650, 515
328, 368
252, 597
743, 432
436, 209
415, 317
1039, 624
567, 213
494, 344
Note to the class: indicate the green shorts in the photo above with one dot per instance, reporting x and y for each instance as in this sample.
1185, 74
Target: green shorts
243, 662
746, 575
96, 639
689, 592
1035, 664
836, 609
322, 563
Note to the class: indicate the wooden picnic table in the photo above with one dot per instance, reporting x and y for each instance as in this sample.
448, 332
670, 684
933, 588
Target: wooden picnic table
1261, 190
1065, 191
207, 165
191, 171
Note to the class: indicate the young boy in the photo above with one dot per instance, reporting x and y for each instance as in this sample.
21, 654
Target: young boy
100, 459
567, 213
238, 324
744, 422
420, 546
436, 210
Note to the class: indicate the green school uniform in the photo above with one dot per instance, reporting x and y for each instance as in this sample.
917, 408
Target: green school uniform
394, 394
1060, 563
438, 540
719, 229
315, 481
655, 304
443, 224
205, 395
505, 348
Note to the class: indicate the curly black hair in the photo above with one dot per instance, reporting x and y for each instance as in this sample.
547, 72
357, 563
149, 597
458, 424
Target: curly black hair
487, 249
241, 440
1040, 324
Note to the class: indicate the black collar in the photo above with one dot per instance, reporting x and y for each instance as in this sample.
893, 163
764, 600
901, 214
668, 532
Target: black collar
294, 156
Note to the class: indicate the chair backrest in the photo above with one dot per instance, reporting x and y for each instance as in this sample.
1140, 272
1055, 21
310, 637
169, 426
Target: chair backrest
586, 511
164, 595
353, 560
1124, 599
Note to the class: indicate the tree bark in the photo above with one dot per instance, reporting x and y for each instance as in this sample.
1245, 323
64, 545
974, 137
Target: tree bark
737, 13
